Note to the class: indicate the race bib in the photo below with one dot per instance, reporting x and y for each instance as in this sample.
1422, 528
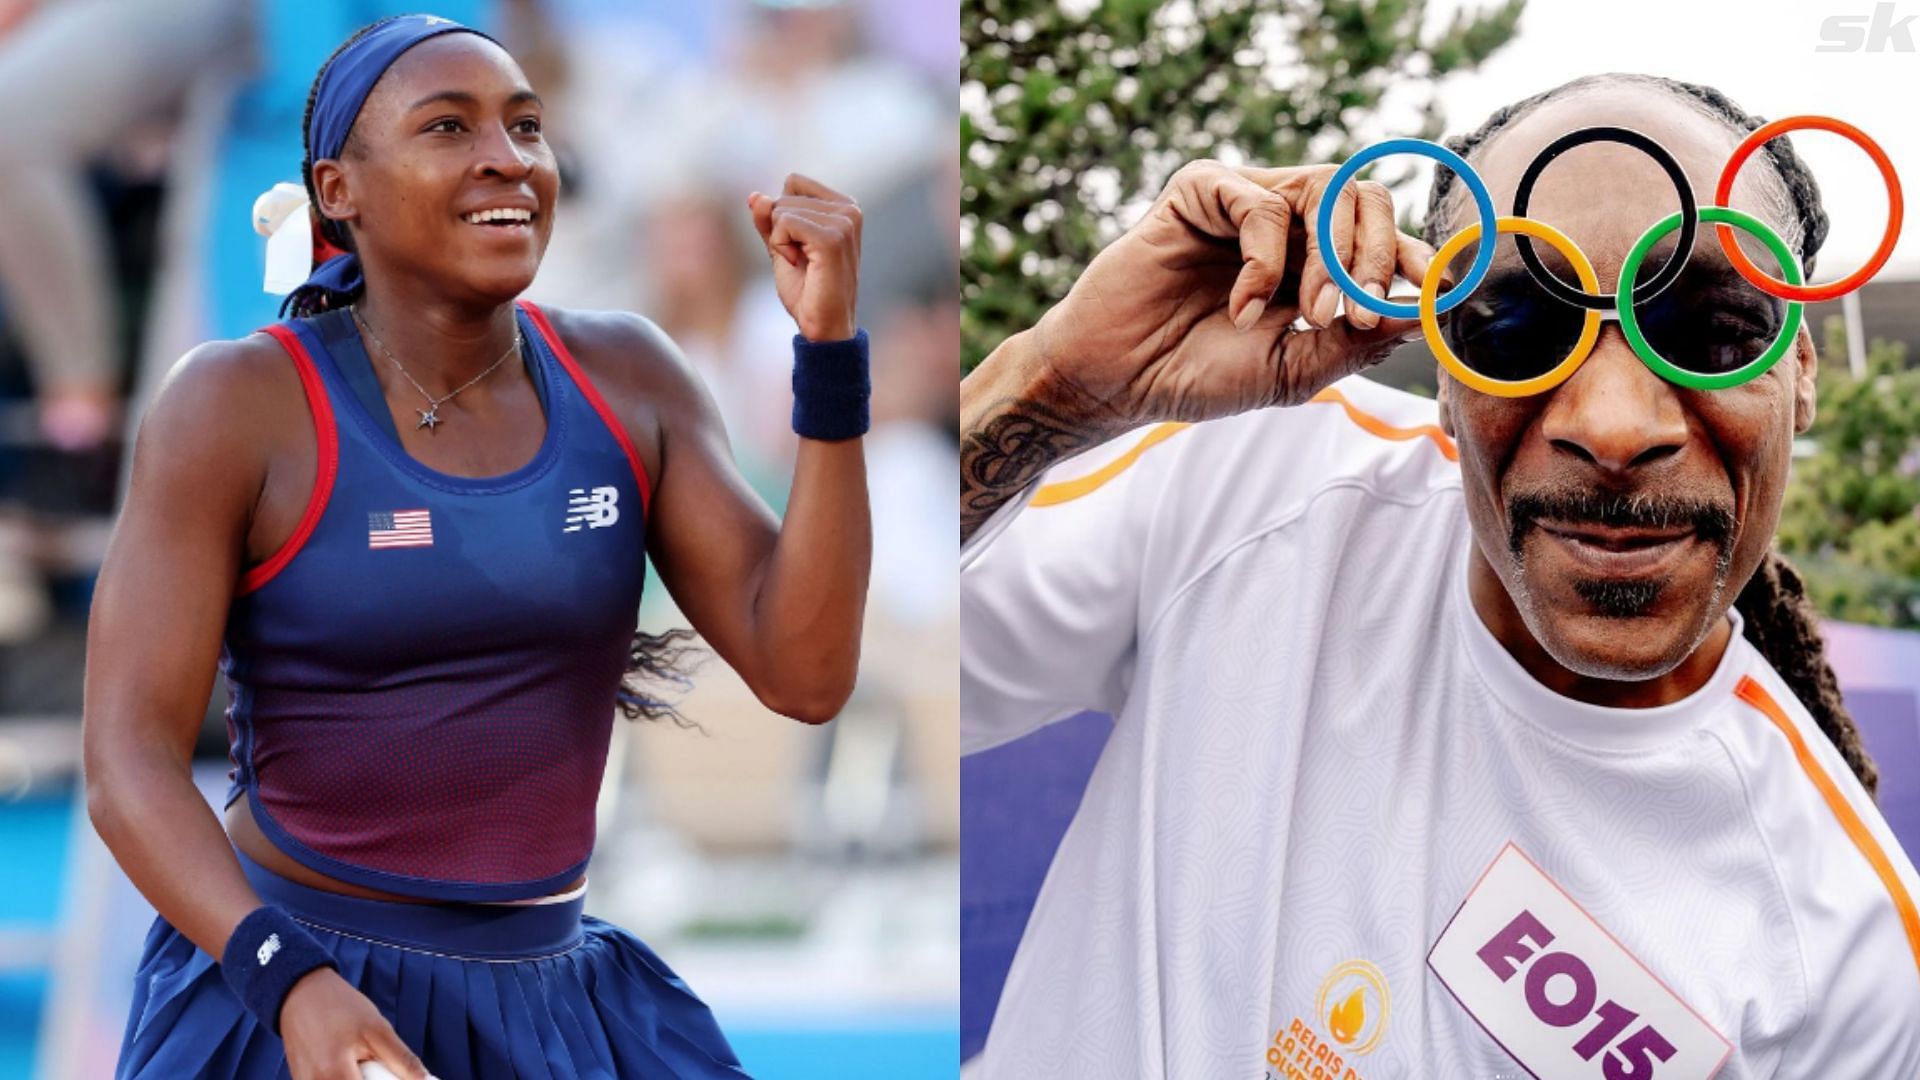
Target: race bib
1555, 989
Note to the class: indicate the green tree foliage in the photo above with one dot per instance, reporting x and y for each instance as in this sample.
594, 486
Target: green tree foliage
1075, 112
1851, 521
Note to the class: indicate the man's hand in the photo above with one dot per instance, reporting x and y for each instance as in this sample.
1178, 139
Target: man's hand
1189, 315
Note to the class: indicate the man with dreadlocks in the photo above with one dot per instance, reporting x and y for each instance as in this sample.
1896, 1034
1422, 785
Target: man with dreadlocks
411, 524
1451, 739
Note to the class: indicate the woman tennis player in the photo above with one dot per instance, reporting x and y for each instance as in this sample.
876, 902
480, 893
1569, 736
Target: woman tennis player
410, 526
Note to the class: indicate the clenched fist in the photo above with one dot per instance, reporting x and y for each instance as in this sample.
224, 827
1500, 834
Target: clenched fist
812, 233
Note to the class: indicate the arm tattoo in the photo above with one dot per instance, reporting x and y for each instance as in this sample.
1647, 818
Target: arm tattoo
1015, 441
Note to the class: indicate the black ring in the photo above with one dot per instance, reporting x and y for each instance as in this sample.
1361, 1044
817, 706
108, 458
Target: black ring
1689, 217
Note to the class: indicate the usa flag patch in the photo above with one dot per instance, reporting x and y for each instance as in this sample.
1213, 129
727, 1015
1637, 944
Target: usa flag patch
399, 529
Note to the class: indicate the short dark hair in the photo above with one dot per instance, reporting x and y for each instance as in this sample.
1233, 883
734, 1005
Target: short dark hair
1797, 190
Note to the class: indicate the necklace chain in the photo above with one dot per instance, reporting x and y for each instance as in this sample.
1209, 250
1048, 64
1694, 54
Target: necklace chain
430, 416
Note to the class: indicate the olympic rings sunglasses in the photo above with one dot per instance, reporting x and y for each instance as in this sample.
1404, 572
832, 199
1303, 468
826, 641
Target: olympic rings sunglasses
1500, 343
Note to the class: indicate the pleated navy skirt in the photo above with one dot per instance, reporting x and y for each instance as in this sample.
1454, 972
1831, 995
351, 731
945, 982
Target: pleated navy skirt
479, 991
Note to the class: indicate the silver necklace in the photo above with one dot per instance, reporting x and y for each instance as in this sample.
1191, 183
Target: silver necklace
430, 416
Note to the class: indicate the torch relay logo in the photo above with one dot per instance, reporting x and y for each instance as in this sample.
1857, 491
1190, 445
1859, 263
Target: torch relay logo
1349, 1017
1353, 1001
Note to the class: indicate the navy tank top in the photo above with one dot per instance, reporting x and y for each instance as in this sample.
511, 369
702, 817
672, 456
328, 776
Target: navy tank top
423, 677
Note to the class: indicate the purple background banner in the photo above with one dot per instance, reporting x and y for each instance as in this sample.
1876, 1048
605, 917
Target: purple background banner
1017, 800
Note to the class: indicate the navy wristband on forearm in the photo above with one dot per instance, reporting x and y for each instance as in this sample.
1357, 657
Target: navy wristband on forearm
830, 387
266, 955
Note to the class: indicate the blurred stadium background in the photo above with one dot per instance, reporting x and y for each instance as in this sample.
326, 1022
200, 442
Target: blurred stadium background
804, 880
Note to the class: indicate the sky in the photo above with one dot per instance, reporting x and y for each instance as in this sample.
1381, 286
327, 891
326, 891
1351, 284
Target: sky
1761, 53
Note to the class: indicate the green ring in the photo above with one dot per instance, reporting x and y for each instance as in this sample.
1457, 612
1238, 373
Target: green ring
1666, 369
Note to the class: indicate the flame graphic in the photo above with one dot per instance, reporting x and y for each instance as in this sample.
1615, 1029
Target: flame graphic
1349, 1017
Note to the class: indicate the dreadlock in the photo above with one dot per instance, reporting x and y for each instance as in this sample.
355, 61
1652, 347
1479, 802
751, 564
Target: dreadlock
1780, 623
670, 657
1773, 605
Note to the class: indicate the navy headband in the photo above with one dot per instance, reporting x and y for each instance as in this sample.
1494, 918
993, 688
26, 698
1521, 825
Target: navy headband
344, 85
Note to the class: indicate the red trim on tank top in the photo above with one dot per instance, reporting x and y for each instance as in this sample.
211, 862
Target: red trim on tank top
593, 398
326, 467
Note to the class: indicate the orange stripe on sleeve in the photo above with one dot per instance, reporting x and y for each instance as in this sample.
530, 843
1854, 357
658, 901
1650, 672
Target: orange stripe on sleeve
1755, 695
1069, 490
1373, 425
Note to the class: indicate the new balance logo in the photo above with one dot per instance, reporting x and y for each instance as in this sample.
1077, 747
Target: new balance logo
592, 509
268, 948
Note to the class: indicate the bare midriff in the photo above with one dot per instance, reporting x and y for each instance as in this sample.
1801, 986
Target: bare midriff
247, 836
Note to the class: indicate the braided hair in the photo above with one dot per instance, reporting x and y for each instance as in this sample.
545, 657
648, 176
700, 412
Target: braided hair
668, 657
1773, 605
313, 302
1780, 623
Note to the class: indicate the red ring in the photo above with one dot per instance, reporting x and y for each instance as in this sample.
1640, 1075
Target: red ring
1723, 196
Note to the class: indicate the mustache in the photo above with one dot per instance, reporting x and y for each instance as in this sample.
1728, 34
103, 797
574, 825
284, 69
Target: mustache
1710, 519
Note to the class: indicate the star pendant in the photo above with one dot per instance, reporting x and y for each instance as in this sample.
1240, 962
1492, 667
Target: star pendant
429, 419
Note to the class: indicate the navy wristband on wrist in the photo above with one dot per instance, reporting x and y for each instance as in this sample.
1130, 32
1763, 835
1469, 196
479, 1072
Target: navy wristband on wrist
266, 955
830, 387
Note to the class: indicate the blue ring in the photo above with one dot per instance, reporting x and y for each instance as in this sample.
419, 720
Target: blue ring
1489, 226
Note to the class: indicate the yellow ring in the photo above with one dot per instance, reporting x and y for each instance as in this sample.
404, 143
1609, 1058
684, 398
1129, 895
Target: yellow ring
1430, 322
